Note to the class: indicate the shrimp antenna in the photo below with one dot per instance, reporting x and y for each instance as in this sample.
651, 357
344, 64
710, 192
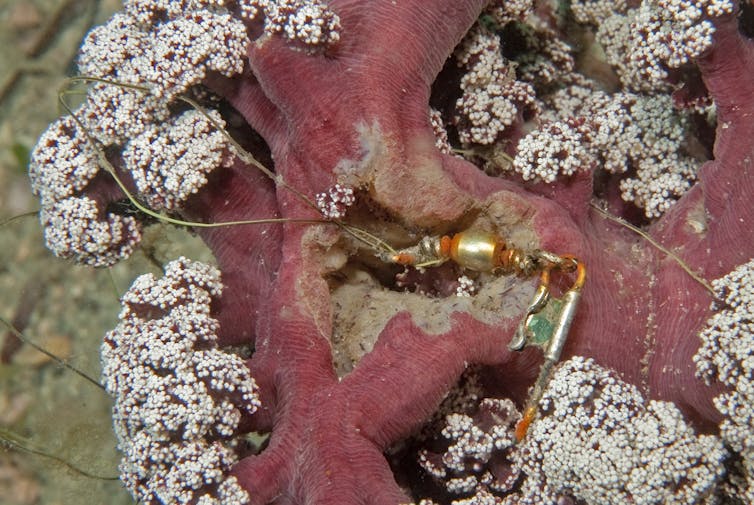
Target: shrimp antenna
657, 246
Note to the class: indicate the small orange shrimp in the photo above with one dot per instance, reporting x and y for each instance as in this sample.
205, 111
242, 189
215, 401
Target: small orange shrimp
547, 319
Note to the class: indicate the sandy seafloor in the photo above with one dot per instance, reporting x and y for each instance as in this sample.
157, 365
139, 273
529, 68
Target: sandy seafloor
43, 406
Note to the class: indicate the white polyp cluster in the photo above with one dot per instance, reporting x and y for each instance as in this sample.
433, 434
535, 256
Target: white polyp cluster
652, 147
506, 11
108, 47
643, 42
492, 98
167, 56
549, 62
149, 12
166, 59
618, 133
178, 397
464, 396
466, 287
75, 228
252, 9
595, 12
113, 114
465, 468
161, 48
170, 161
335, 202
309, 22
557, 148
144, 57
184, 49
598, 440
727, 356
616, 137
63, 163
441, 133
